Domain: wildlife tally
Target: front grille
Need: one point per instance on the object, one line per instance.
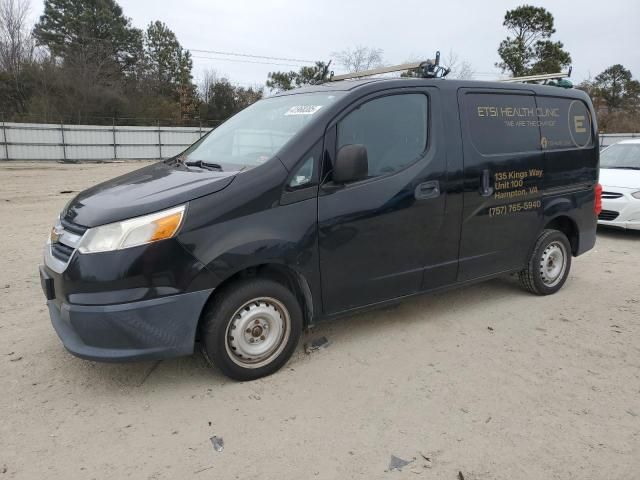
(611, 195)
(61, 251)
(608, 215)
(72, 227)
(67, 241)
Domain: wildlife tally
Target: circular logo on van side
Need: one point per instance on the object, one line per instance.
(579, 124)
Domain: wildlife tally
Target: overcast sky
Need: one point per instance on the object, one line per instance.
(596, 34)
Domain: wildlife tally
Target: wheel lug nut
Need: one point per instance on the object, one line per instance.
(262, 337)
(248, 330)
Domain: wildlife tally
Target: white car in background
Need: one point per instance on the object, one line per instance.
(620, 180)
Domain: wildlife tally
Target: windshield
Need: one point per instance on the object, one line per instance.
(621, 155)
(256, 134)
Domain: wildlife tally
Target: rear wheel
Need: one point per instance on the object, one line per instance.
(252, 328)
(549, 264)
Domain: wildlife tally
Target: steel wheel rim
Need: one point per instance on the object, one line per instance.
(553, 263)
(258, 332)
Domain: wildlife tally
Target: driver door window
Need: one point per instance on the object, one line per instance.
(392, 128)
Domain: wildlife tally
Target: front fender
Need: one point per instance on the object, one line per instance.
(284, 235)
(245, 226)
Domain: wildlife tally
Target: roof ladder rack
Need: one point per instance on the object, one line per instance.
(427, 69)
(534, 78)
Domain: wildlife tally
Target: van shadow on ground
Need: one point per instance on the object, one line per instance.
(194, 370)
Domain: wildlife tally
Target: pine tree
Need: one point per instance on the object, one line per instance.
(530, 51)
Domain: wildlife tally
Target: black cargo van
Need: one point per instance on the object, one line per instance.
(318, 202)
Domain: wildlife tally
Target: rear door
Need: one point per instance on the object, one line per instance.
(503, 180)
(571, 158)
(378, 236)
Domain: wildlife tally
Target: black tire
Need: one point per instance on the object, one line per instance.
(536, 276)
(221, 318)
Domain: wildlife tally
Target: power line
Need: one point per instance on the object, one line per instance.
(250, 55)
(215, 52)
(278, 62)
(237, 60)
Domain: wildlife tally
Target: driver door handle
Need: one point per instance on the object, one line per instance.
(426, 190)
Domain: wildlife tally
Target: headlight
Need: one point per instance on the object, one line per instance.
(636, 195)
(132, 232)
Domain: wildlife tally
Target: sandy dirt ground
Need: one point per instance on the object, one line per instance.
(488, 381)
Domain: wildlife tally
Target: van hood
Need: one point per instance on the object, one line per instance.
(147, 190)
(619, 177)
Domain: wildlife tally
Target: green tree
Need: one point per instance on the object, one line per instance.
(280, 81)
(226, 99)
(92, 33)
(95, 51)
(551, 58)
(168, 64)
(168, 68)
(616, 99)
(617, 88)
(530, 50)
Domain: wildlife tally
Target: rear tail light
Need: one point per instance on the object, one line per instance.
(597, 206)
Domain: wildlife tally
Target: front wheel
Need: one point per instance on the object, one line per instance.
(252, 328)
(549, 264)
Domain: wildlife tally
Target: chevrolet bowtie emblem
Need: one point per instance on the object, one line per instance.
(56, 232)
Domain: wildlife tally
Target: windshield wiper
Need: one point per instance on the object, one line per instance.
(625, 168)
(204, 165)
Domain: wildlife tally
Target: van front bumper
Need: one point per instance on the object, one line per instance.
(627, 225)
(146, 330)
(139, 303)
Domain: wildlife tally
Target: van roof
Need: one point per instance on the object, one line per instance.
(342, 85)
(445, 84)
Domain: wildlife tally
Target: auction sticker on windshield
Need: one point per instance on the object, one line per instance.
(303, 110)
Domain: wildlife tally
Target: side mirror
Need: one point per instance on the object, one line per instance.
(352, 164)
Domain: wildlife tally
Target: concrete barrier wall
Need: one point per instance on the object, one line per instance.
(37, 141)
